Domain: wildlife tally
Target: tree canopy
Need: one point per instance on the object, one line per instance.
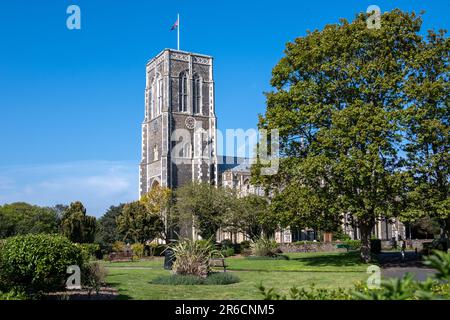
(339, 102)
(107, 232)
(202, 205)
(76, 225)
(22, 218)
(138, 224)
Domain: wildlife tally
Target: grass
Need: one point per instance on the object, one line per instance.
(304, 262)
(325, 270)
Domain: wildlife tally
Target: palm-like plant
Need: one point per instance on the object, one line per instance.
(264, 247)
(192, 257)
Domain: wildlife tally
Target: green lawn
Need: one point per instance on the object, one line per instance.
(327, 270)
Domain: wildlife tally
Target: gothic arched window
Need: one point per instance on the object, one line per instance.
(183, 92)
(155, 152)
(152, 100)
(159, 95)
(187, 150)
(197, 94)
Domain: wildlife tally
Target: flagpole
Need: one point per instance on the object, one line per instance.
(178, 33)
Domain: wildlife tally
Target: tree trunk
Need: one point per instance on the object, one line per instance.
(365, 230)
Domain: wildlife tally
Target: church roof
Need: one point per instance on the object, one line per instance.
(234, 164)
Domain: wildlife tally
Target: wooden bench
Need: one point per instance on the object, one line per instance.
(219, 263)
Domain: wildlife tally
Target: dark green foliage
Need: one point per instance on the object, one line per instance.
(237, 248)
(437, 244)
(228, 248)
(6, 225)
(226, 243)
(37, 263)
(375, 246)
(107, 232)
(353, 244)
(440, 261)
(90, 251)
(312, 293)
(222, 278)
(76, 225)
(245, 244)
(342, 99)
(228, 252)
(426, 126)
(425, 227)
(22, 218)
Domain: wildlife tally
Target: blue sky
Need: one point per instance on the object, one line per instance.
(72, 101)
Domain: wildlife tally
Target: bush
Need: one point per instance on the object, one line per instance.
(226, 243)
(436, 244)
(245, 244)
(213, 279)
(192, 257)
(264, 247)
(246, 249)
(34, 264)
(118, 246)
(228, 252)
(93, 276)
(90, 251)
(312, 293)
(375, 246)
(138, 250)
(12, 295)
(237, 248)
(353, 244)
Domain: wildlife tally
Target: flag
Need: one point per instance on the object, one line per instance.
(175, 25)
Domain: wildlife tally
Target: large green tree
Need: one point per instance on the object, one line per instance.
(249, 215)
(76, 225)
(158, 201)
(337, 101)
(203, 206)
(138, 224)
(107, 232)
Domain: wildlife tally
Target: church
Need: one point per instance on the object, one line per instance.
(179, 143)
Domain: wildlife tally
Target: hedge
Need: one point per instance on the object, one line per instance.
(34, 264)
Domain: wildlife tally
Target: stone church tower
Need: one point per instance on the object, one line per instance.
(179, 128)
